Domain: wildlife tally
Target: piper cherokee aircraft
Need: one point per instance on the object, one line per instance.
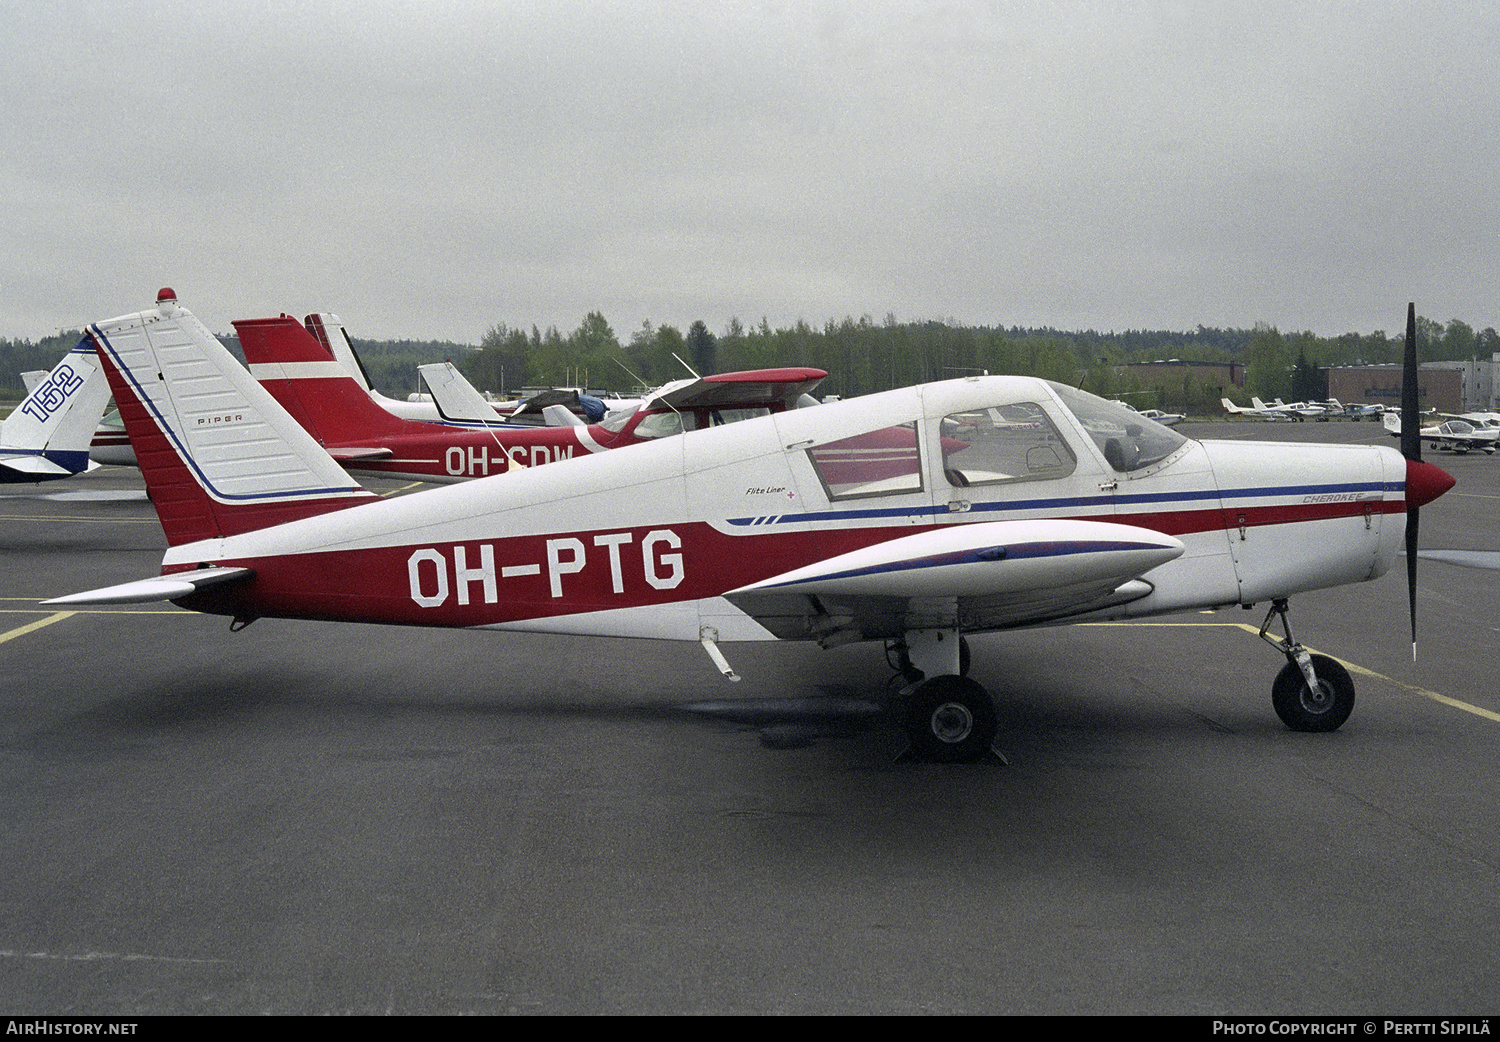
(47, 435)
(910, 517)
(301, 374)
(1456, 435)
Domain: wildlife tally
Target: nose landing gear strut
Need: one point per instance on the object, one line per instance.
(1312, 692)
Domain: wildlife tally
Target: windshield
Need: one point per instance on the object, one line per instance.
(615, 420)
(664, 424)
(1128, 440)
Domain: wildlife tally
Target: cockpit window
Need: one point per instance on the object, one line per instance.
(719, 417)
(881, 462)
(615, 420)
(664, 424)
(1128, 440)
(1001, 444)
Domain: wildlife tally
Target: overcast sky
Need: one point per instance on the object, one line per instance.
(429, 168)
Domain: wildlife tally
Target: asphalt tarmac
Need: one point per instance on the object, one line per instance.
(315, 818)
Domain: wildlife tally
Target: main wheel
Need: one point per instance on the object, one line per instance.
(1303, 709)
(950, 720)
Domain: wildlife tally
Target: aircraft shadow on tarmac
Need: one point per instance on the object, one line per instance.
(189, 704)
(1041, 724)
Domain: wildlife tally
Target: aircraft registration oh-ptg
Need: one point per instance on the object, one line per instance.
(911, 517)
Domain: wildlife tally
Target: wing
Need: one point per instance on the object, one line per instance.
(990, 575)
(744, 390)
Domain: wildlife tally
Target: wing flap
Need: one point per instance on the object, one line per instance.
(158, 588)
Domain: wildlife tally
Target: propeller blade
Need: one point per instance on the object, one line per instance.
(1411, 448)
(1412, 515)
(1411, 416)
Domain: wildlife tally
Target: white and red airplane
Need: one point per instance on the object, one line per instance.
(303, 375)
(1457, 434)
(911, 517)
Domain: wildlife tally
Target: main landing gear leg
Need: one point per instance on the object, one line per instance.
(948, 718)
(1312, 692)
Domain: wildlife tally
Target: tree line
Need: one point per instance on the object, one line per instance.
(862, 356)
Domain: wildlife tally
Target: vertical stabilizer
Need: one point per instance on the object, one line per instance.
(457, 400)
(48, 434)
(219, 455)
(328, 330)
(303, 375)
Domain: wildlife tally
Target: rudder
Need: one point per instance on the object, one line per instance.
(303, 375)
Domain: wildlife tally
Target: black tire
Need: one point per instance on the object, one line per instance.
(950, 720)
(1301, 709)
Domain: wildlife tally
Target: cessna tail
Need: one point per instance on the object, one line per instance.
(911, 517)
(48, 434)
(318, 387)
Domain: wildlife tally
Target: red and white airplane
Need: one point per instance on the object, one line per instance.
(306, 378)
(1456, 433)
(911, 517)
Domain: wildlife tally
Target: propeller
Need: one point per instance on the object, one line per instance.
(1424, 482)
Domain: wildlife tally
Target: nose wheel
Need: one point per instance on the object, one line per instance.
(1306, 708)
(1312, 692)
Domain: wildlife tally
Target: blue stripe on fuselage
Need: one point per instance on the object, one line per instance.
(1226, 496)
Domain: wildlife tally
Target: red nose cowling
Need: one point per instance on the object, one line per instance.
(1425, 482)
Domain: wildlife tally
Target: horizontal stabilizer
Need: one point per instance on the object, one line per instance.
(160, 588)
(38, 466)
